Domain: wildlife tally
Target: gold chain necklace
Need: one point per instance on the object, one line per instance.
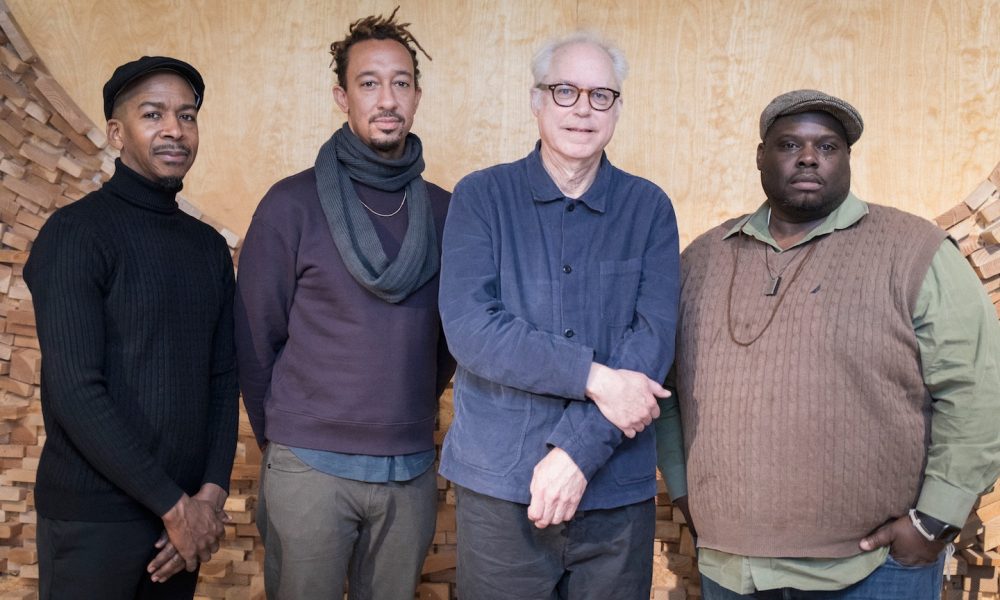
(393, 213)
(777, 305)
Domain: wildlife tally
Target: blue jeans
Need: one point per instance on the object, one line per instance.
(891, 581)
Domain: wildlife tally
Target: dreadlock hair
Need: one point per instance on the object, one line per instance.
(374, 28)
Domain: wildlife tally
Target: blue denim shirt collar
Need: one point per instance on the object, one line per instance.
(543, 189)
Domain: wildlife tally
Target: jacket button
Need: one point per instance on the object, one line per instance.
(491, 311)
(567, 269)
(569, 333)
(571, 207)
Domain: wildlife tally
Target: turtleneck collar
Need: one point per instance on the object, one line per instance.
(139, 191)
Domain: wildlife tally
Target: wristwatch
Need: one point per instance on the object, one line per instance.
(933, 530)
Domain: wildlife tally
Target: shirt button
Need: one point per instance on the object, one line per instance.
(567, 269)
(491, 311)
(569, 333)
(571, 207)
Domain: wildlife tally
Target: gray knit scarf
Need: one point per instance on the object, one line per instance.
(345, 157)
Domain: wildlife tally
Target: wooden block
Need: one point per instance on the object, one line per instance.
(98, 137)
(216, 568)
(31, 220)
(64, 105)
(36, 111)
(667, 530)
(45, 133)
(434, 591)
(16, 37)
(990, 236)
(35, 189)
(12, 61)
(34, 153)
(988, 512)
(13, 493)
(990, 536)
(985, 192)
(11, 133)
(19, 594)
(25, 555)
(985, 256)
(26, 365)
(988, 270)
(24, 231)
(70, 166)
(12, 168)
(80, 141)
(13, 257)
(439, 561)
(961, 229)
(445, 518)
(953, 216)
(10, 89)
(10, 530)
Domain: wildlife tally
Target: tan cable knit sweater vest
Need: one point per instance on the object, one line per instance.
(816, 434)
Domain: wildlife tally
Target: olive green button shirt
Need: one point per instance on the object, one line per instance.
(959, 339)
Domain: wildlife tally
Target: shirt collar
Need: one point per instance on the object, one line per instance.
(543, 189)
(850, 211)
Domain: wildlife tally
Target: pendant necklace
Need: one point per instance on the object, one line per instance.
(771, 289)
(781, 297)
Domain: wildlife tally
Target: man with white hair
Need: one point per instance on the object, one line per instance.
(559, 290)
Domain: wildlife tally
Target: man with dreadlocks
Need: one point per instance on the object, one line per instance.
(340, 349)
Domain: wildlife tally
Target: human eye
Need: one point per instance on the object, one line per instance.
(190, 117)
(565, 91)
(401, 84)
(601, 95)
(151, 115)
(368, 84)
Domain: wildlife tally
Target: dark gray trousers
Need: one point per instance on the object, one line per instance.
(84, 559)
(598, 555)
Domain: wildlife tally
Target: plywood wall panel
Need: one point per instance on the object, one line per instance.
(924, 73)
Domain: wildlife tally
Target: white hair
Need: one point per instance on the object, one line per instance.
(542, 60)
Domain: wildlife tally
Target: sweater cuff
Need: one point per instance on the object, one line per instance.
(165, 500)
(945, 502)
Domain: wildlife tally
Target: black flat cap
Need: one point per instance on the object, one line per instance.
(802, 101)
(130, 72)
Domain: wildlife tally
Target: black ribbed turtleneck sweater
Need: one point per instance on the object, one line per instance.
(133, 303)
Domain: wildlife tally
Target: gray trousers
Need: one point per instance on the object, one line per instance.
(598, 555)
(320, 531)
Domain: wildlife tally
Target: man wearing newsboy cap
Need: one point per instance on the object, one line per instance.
(836, 378)
(133, 300)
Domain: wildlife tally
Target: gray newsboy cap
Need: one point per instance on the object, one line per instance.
(801, 101)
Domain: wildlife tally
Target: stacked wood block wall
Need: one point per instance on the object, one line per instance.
(51, 154)
(975, 224)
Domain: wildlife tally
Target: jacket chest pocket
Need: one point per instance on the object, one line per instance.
(619, 288)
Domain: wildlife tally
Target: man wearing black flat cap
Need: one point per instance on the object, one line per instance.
(133, 301)
(836, 376)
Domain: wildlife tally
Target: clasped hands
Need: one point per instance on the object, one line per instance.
(628, 400)
(193, 529)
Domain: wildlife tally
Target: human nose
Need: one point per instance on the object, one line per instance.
(170, 127)
(387, 97)
(807, 157)
(582, 105)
